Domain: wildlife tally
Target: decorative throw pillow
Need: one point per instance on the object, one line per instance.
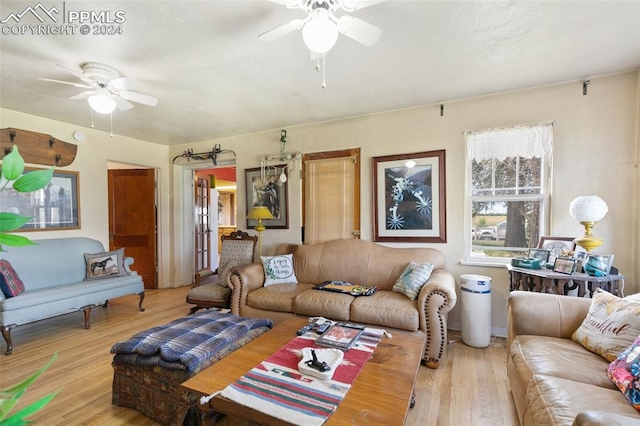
(9, 281)
(412, 279)
(105, 265)
(610, 326)
(625, 373)
(633, 297)
(278, 269)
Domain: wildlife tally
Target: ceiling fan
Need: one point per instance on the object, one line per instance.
(321, 26)
(108, 89)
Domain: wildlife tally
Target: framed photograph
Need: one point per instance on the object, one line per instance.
(541, 255)
(409, 197)
(564, 265)
(557, 246)
(54, 207)
(270, 191)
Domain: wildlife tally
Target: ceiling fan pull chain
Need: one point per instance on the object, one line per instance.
(92, 125)
(324, 81)
(111, 118)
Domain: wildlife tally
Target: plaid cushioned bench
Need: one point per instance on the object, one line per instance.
(150, 366)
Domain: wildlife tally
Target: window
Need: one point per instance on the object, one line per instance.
(507, 191)
(331, 195)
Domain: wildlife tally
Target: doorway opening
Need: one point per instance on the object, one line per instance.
(215, 210)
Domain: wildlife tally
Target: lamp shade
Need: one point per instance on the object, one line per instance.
(320, 33)
(102, 103)
(589, 208)
(260, 212)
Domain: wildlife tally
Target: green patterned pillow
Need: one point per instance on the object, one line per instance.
(413, 278)
(278, 269)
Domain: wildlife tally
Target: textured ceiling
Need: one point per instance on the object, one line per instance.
(214, 78)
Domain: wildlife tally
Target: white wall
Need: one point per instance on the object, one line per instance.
(595, 152)
(91, 163)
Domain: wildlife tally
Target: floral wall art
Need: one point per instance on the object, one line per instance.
(410, 197)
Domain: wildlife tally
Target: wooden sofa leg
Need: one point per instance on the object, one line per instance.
(106, 304)
(431, 364)
(6, 333)
(141, 299)
(87, 314)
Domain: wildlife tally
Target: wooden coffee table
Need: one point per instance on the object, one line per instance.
(383, 389)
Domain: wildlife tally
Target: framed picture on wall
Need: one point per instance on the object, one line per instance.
(268, 190)
(54, 207)
(409, 197)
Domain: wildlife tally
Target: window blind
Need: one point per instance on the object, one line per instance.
(329, 186)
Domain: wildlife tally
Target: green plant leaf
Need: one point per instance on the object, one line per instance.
(33, 181)
(5, 406)
(18, 389)
(12, 164)
(14, 240)
(18, 418)
(11, 221)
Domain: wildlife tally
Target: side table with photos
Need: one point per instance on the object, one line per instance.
(548, 281)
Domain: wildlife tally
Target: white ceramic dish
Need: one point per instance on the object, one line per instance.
(333, 357)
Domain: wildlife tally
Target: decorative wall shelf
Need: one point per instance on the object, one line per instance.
(37, 148)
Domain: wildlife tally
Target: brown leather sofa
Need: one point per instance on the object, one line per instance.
(554, 380)
(359, 262)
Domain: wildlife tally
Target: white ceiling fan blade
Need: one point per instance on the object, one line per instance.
(140, 98)
(123, 83)
(83, 95)
(77, 73)
(281, 30)
(359, 30)
(122, 104)
(84, 86)
(351, 5)
(291, 4)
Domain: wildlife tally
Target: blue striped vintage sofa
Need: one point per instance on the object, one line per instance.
(53, 272)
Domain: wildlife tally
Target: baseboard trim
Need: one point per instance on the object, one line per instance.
(495, 331)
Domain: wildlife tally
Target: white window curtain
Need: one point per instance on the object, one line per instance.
(525, 141)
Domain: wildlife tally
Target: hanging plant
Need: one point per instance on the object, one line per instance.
(12, 172)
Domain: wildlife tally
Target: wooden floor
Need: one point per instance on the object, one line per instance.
(469, 388)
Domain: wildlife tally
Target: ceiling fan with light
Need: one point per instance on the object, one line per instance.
(107, 89)
(321, 27)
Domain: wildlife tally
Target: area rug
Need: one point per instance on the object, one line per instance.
(277, 388)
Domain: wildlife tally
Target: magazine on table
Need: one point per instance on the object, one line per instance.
(341, 336)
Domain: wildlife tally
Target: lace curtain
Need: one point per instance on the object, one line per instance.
(524, 141)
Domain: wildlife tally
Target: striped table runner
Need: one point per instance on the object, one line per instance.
(277, 388)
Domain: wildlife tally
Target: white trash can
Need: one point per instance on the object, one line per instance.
(475, 298)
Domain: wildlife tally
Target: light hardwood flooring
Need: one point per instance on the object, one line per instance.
(469, 388)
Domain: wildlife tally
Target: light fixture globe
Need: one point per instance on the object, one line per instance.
(588, 210)
(320, 33)
(102, 103)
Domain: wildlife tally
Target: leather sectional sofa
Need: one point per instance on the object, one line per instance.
(555, 380)
(358, 262)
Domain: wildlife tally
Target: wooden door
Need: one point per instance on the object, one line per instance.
(132, 219)
(202, 224)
